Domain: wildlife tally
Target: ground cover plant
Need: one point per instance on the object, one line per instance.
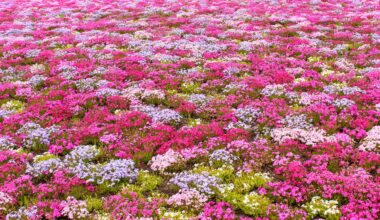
(193, 109)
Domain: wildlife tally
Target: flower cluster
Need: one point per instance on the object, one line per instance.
(217, 210)
(188, 198)
(297, 121)
(74, 209)
(45, 167)
(35, 135)
(6, 143)
(221, 157)
(372, 141)
(117, 170)
(81, 153)
(160, 115)
(324, 208)
(203, 182)
(309, 137)
(164, 161)
(129, 206)
(5, 200)
(23, 213)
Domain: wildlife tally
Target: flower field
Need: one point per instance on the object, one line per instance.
(190, 109)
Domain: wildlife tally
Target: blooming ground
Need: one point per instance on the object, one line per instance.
(190, 109)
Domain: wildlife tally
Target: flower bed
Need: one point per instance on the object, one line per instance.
(191, 109)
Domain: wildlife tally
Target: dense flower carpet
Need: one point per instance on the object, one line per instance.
(190, 109)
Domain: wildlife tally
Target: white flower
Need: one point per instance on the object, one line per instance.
(5, 200)
(74, 209)
(162, 162)
(372, 141)
(307, 136)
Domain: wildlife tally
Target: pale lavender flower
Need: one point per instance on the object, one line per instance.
(340, 48)
(368, 70)
(221, 156)
(117, 170)
(98, 71)
(32, 53)
(107, 92)
(23, 213)
(69, 74)
(203, 182)
(167, 116)
(231, 71)
(87, 171)
(6, 143)
(352, 90)
(343, 103)
(166, 58)
(245, 46)
(36, 135)
(4, 113)
(238, 124)
(86, 85)
(66, 67)
(198, 99)
(160, 115)
(37, 80)
(246, 118)
(331, 89)
(247, 115)
(44, 167)
(297, 121)
(234, 87)
(82, 153)
(273, 90)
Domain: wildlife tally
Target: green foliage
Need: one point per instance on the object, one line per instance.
(94, 204)
(194, 122)
(14, 105)
(319, 207)
(175, 214)
(79, 192)
(313, 59)
(26, 200)
(132, 188)
(190, 88)
(342, 200)
(250, 204)
(105, 188)
(333, 166)
(148, 182)
(225, 173)
(44, 157)
(38, 147)
(177, 167)
(246, 182)
(142, 157)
